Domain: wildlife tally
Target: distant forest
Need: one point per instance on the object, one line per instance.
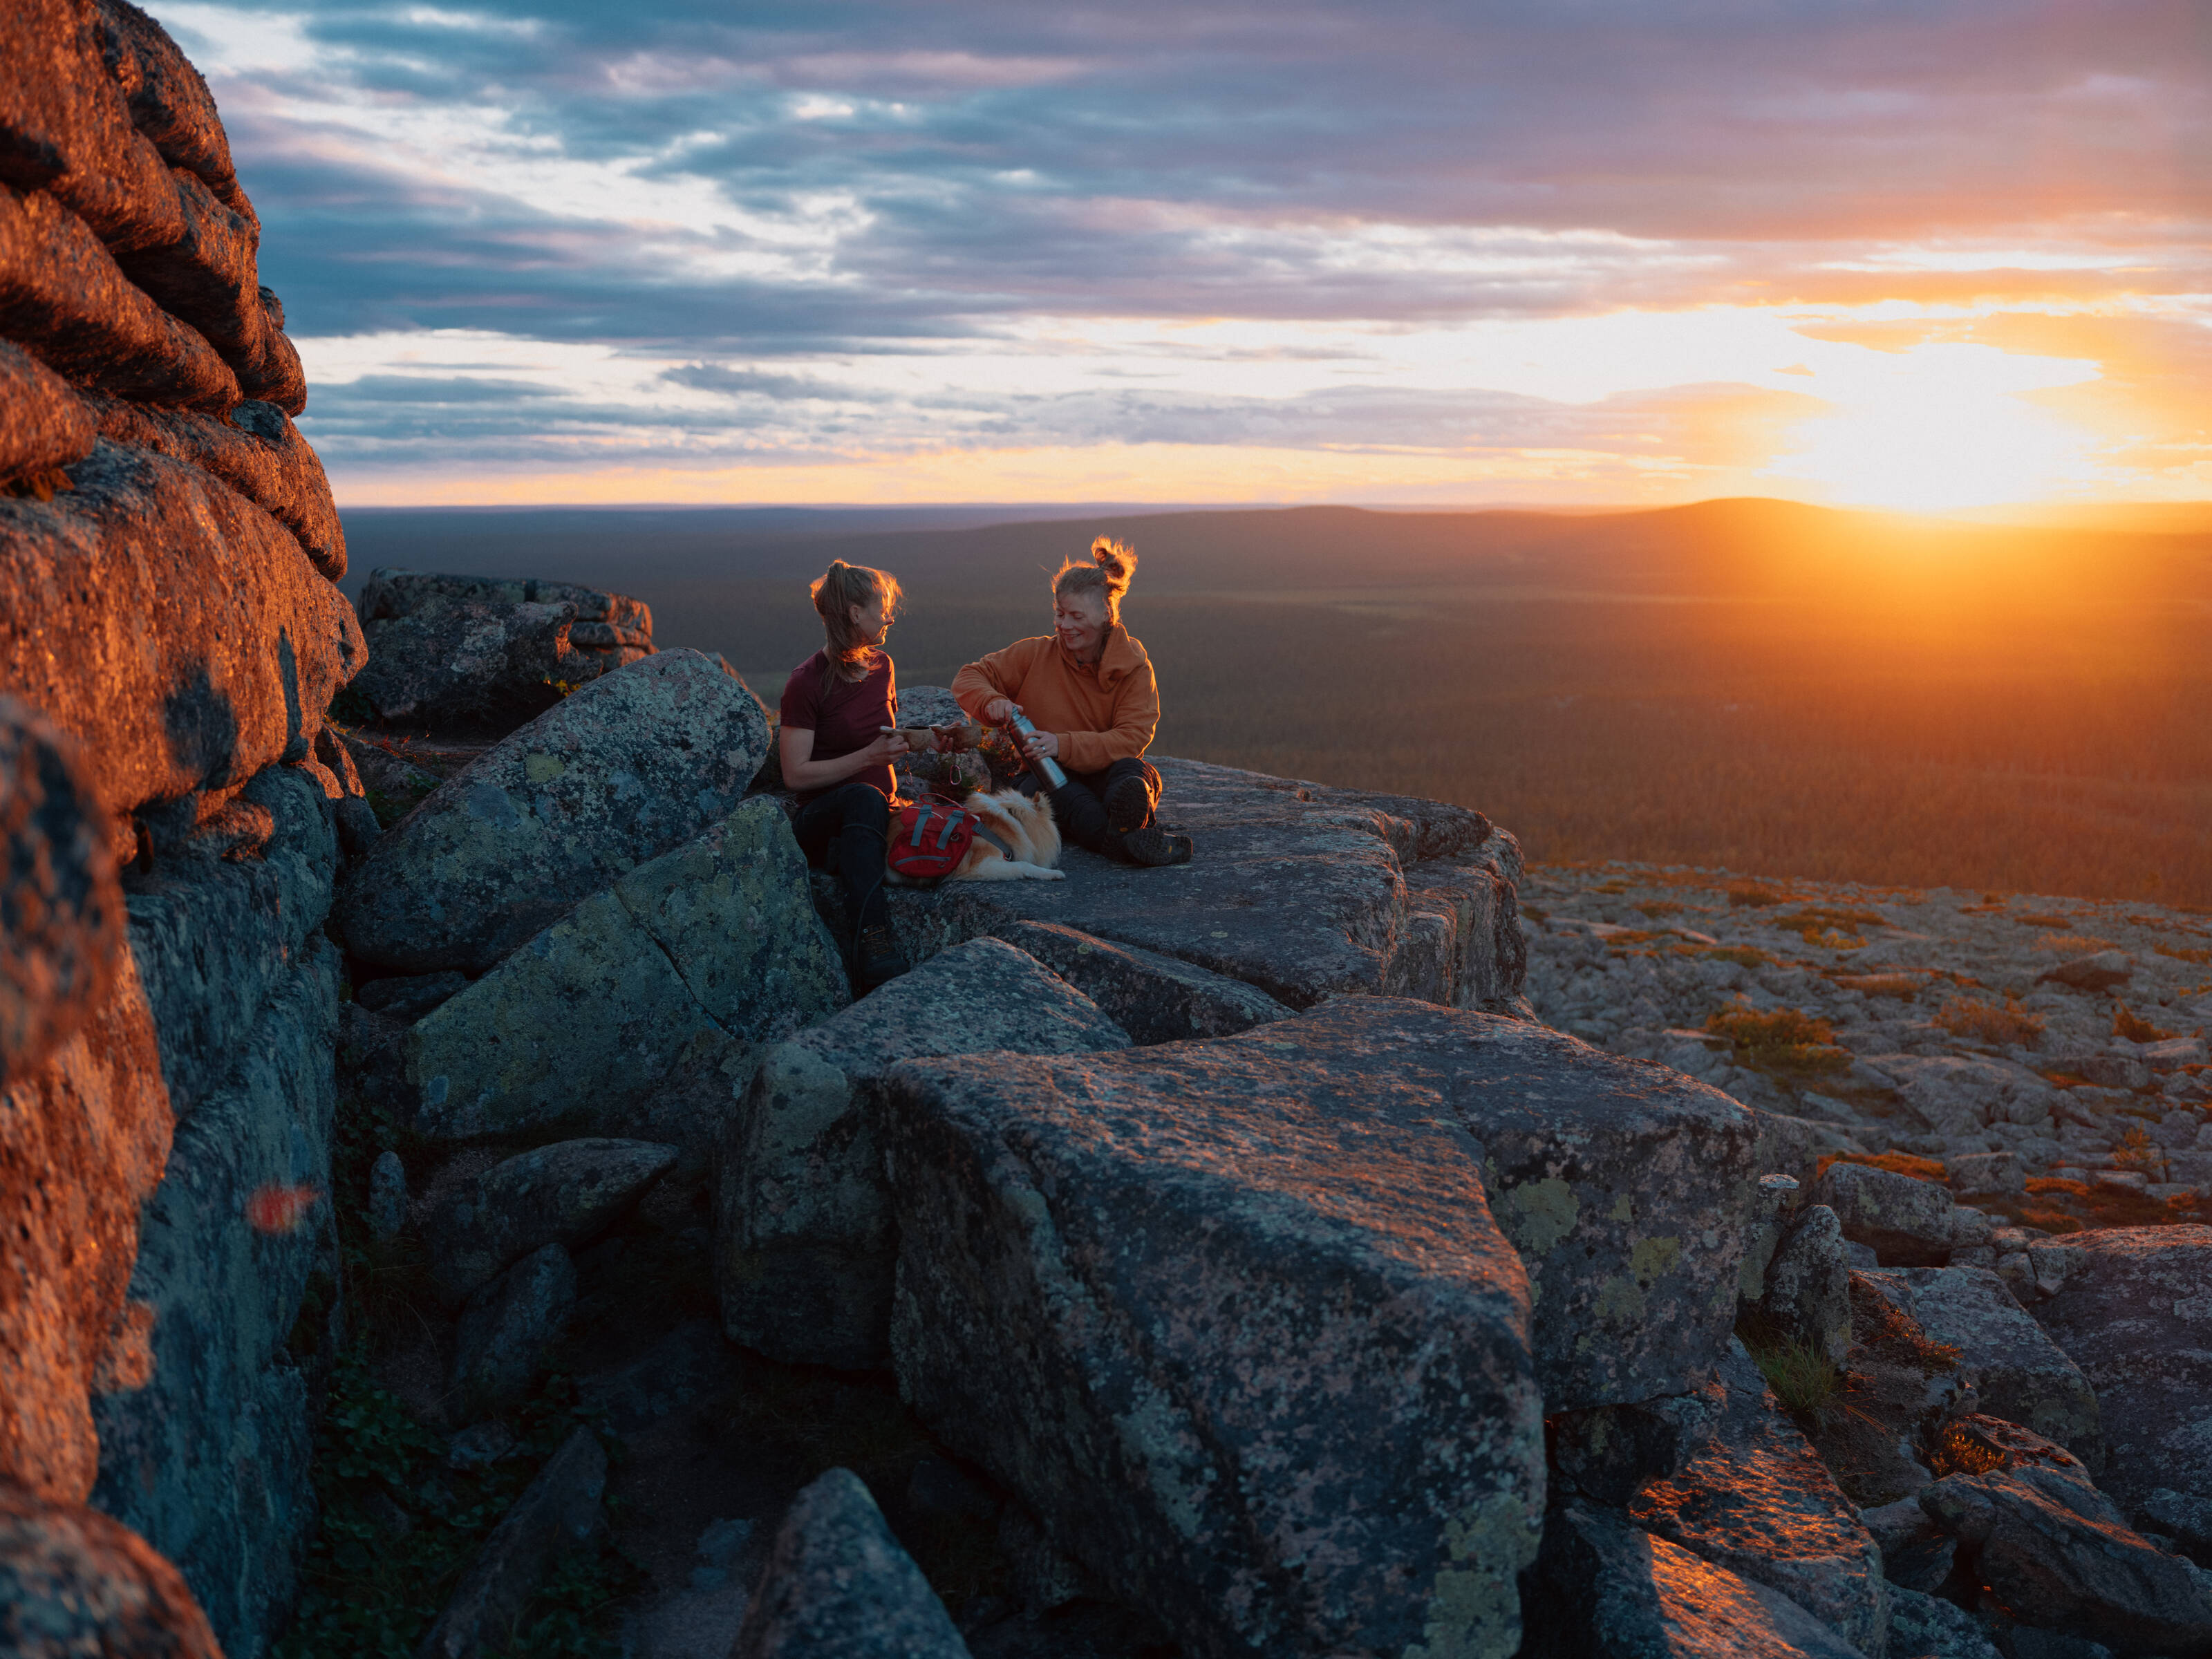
(1753, 685)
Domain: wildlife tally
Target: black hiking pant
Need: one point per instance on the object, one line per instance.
(852, 822)
(1079, 806)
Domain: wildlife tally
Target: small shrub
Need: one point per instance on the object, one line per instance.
(1800, 1376)
(1903, 987)
(2060, 922)
(2137, 1152)
(2073, 944)
(2184, 953)
(1786, 1042)
(2135, 1028)
(2011, 1025)
(1752, 893)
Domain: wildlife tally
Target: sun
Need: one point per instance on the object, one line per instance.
(1938, 426)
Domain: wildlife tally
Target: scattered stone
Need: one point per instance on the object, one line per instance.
(1998, 1174)
(1953, 1095)
(640, 1011)
(463, 666)
(1616, 1592)
(2020, 1373)
(556, 1513)
(1341, 1442)
(387, 1196)
(567, 1193)
(1925, 1626)
(804, 1247)
(1915, 1554)
(506, 1329)
(1758, 1500)
(2101, 971)
(1808, 1285)
(408, 997)
(74, 1581)
(1607, 1452)
(1155, 999)
(837, 1583)
(2134, 1311)
(635, 764)
(1905, 1221)
(2057, 1556)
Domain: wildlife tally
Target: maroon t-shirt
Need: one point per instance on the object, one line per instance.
(844, 715)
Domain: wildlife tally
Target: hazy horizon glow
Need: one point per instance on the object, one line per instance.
(1893, 254)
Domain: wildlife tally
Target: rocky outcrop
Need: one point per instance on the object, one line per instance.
(2134, 1312)
(73, 1581)
(1303, 892)
(640, 1011)
(565, 1194)
(1238, 1329)
(628, 767)
(459, 653)
(556, 1512)
(1155, 999)
(804, 1245)
(836, 1582)
(168, 547)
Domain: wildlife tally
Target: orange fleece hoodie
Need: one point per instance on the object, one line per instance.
(1100, 713)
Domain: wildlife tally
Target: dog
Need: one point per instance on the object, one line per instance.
(1023, 825)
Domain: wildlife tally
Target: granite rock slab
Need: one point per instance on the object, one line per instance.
(76, 1582)
(565, 1194)
(1155, 999)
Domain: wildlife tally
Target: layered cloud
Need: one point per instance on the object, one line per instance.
(704, 250)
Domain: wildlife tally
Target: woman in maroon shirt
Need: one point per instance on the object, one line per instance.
(836, 753)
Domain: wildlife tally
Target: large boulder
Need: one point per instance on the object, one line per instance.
(61, 911)
(509, 1329)
(1758, 1500)
(555, 1514)
(2134, 1311)
(565, 1193)
(635, 764)
(2020, 1373)
(1905, 1221)
(1301, 891)
(1234, 1321)
(2057, 1556)
(1808, 1284)
(836, 1583)
(804, 1247)
(175, 629)
(639, 1011)
(1962, 1094)
(74, 1582)
(1610, 1590)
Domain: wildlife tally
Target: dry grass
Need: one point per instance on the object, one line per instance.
(2010, 1024)
(2185, 953)
(2135, 1028)
(1751, 894)
(2060, 922)
(1903, 987)
(2073, 944)
(1909, 1164)
(1656, 908)
(1784, 1042)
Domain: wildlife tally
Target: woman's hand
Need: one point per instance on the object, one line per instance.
(1000, 710)
(888, 747)
(1042, 745)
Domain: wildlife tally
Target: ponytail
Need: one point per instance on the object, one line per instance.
(1111, 567)
(835, 593)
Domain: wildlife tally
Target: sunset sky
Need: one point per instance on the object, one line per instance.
(1923, 253)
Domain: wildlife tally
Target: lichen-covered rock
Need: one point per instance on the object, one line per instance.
(2021, 1374)
(555, 1514)
(1905, 1221)
(1963, 1094)
(2134, 1311)
(1758, 1500)
(204, 1444)
(1607, 1452)
(1235, 1324)
(565, 1194)
(635, 764)
(804, 1246)
(836, 1583)
(1155, 999)
(169, 102)
(392, 593)
(75, 1583)
(217, 926)
(639, 1011)
(172, 627)
(82, 1144)
(1916, 1555)
(2057, 1556)
(1923, 1626)
(61, 911)
(1808, 1294)
(471, 666)
(1613, 1591)
(1297, 889)
(508, 1327)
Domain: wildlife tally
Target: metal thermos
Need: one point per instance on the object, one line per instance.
(1044, 763)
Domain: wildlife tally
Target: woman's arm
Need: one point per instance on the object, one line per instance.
(795, 749)
(982, 685)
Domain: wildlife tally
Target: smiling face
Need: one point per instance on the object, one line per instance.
(1079, 619)
(869, 622)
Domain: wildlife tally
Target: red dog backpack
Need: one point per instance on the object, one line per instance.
(929, 839)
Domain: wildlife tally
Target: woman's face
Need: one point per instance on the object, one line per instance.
(1079, 619)
(869, 620)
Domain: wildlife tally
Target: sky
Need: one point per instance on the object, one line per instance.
(1928, 254)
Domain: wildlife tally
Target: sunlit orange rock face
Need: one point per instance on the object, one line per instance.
(168, 631)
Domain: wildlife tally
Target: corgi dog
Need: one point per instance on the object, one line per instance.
(1023, 825)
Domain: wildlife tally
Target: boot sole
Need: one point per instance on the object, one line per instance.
(1154, 846)
(1128, 806)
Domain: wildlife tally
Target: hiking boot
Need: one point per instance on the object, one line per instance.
(1153, 846)
(1128, 804)
(877, 959)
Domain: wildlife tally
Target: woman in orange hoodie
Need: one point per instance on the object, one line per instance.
(1088, 688)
